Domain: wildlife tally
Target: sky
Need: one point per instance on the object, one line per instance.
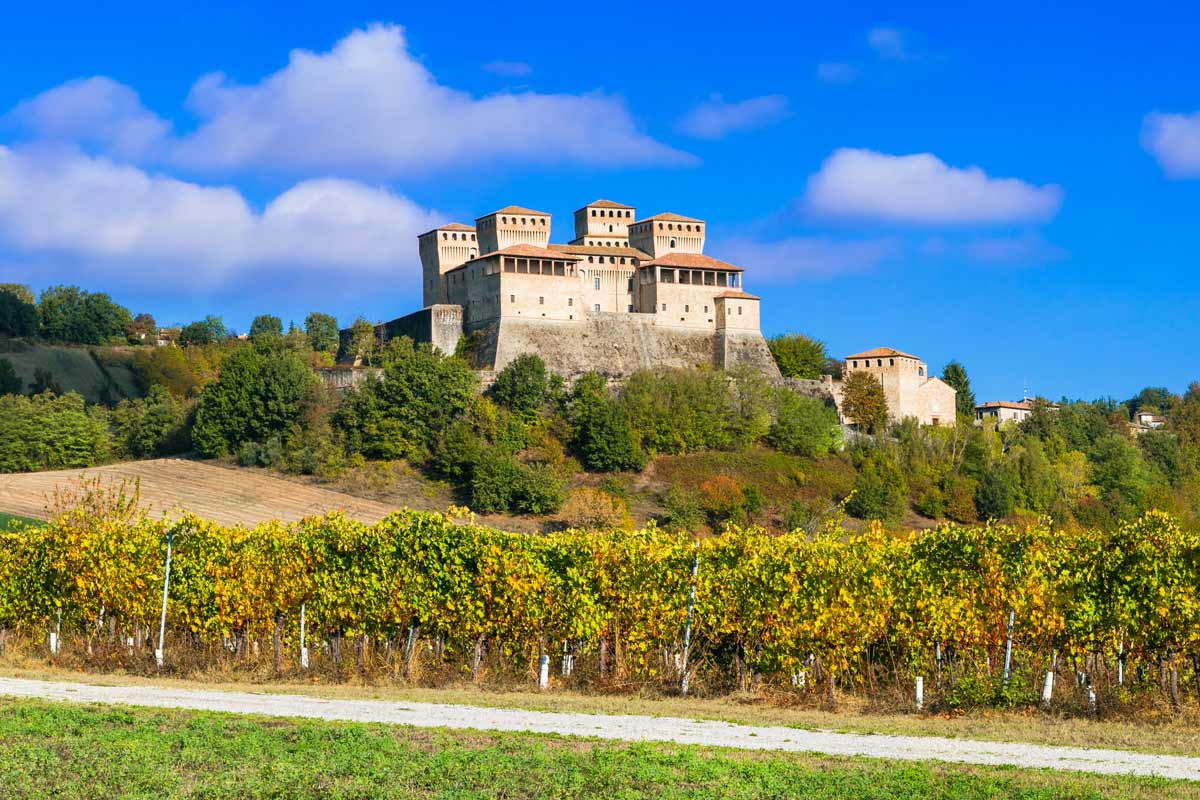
(1014, 186)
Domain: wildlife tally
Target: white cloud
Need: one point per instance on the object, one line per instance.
(836, 72)
(922, 189)
(1174, 141)
(806, 256)
(94, 111)
(714, 118)
(508, 69)
(368, 106)
(889, 43)
(123, 223)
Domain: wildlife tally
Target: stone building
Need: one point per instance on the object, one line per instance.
(910, 390)
(998, 412)
(624, 294)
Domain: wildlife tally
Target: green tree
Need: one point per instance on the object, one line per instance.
(603, 438)
(150, 426)
(51, 432)
(322, 332)
(257, 395)
(803, 426)
(142, 329)
(798, 356)
(209, 330)
(10, 382)
(363, 343)
(863, 401)
(18, 314)
(954, 375)
(994, 495)
(880, 491)
(69, 314)
(522, 386)
(265, 326)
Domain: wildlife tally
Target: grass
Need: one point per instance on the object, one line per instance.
(1152, 729)
(70, 751)
(105, 376)
(7, 518)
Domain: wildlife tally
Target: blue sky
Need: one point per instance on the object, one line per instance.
(1013, 187)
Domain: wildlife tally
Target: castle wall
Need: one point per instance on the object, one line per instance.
(440, 325)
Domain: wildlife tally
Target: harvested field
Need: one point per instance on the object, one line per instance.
(174, 486)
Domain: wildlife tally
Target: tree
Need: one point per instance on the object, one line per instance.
(265, 326)
(994, 496)
(798, 356)
(522, 385)
(604, 439)
(18, 314)
(363, 345)
(142, 329)
(803, 426)
(10, 382)
(206, 331)
(69, 314)
(879, 488)
(322, 332)
(44, 382)
(256, 395)
(863, 401)
(954, 375)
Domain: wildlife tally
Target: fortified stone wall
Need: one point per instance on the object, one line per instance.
(441, 325)
(617, 345)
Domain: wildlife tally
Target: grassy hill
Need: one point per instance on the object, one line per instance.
(100, 374)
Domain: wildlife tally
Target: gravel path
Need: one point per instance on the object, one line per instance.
(627, 728)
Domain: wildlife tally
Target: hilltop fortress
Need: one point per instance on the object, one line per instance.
(624, 294)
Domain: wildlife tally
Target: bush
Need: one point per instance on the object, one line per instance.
(879, 489)
(51, 432)
(994, 496)
(594, 508)
(522, 386)
(803, 426)
(499, 483)
(722, 498)
(798, 356)
(682, 510)
(959, 494)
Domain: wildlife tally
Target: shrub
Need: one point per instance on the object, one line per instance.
(959, 494)
(798, 356)
(593, 508)
(682, 510)
(522, 385)
(994, 496)
(803, 426)
(879, 489)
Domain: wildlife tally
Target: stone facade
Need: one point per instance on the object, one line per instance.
(910, 390)
(624, 294)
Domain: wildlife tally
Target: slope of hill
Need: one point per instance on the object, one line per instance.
(101, 374)
(172, 486)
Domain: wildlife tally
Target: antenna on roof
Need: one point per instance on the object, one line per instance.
(1025, 390)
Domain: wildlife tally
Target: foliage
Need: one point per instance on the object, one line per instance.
(594, 508)
(604, 439)
(142, 329)
(209, 330)
(18, 313)
(522, 386)
(362, 346)
(954, 375)
(50, 432)
(321, 331)
(798, 356)
(879, 488)
(265, 326)
(803, 426)
(10, 382)
(258, 394)
(70, 315)
(864, 402)
(149, 427)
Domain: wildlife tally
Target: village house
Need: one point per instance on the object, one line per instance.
(910, 390)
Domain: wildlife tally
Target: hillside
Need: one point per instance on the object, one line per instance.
(228, 496)
(100, 374)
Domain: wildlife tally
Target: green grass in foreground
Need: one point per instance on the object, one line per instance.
(70, 751)
(7, 518)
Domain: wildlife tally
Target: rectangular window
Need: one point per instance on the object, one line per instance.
(664, 306)
(739, 311)
(512, 298)
(560, 269)
(596, 282)
(631, 308)
(596, 307)
(706, 309)
(631, 284)
(541, 301)
(522, 265)
(570, 301)
(687, 309)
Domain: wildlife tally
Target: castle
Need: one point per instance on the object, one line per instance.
(624, 294)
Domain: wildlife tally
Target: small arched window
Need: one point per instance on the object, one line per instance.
(672, 243)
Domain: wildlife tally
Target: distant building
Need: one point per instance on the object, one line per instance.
(1146, 421)
(910, 390)
(1002, 411)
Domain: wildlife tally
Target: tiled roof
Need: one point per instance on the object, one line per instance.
(592, 249)
(1020, 405)
(605, 204)
(669, 217)
(451, 226)
(516, 210)
(734, 294)
(877, 352)
(691, 261)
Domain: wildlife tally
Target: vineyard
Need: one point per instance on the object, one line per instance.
(430, 597)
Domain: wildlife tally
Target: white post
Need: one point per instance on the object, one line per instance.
(1091, 701)
(543, 672)
(303, 649)
(687, 631)
(920, 692)
(162, 620)
(1048, 688)
(1121, 662)
(1008, 647)
(129, 645)
(56, 634)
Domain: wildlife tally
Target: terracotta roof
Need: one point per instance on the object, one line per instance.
(605, 204)
(1020, 405)
(877, 352)
(734, 294)
(590, 249)
(691, 261)
(667, 215)
(451, 226)
(516, 210)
